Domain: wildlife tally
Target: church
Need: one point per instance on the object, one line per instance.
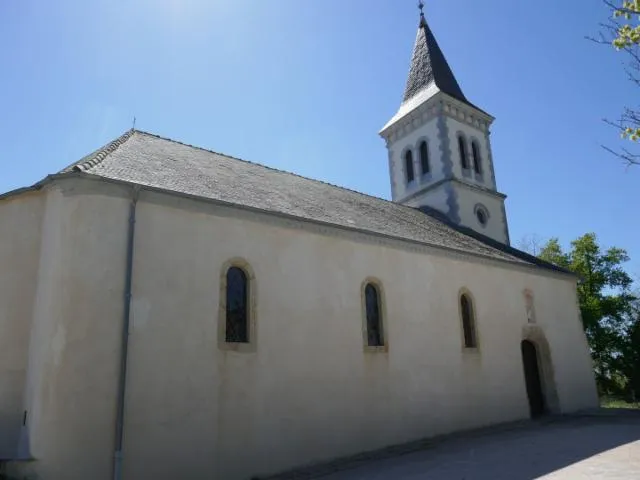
(169, 312)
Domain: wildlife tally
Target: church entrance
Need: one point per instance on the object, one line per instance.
(532, 378)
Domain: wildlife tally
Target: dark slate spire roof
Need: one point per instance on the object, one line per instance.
(428, 67)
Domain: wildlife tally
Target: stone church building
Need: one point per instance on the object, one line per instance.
(171, 312)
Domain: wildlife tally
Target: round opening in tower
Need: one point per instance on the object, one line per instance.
(482, 217)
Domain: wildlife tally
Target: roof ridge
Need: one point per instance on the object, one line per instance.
(270, 168)
(101, 154)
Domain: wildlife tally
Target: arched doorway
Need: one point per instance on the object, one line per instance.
(532, 378)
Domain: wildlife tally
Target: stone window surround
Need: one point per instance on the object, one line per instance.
(404, 166)
(470, 171)
(424, 177)
(474, 321)
(418, 177)
(478, 175)
(251, 346)
(485, 210)
(383, 316)
(463, 142)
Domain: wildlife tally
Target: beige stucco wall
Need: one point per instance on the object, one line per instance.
(75, 336)
(309, 392)
(20, 228)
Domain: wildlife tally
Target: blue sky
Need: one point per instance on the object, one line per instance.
(306, 85)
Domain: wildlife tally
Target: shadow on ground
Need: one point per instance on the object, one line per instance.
(603, 446)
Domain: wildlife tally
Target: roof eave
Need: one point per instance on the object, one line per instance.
(533, 267)
(425, 99)
(468, 105)
(419, 102)
(33, 188)
(532, 261)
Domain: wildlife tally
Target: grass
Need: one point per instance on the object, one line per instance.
(618, 403)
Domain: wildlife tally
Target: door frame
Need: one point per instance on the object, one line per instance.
(535, 335)
(533, 379)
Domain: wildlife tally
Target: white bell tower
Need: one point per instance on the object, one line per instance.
(439, 146)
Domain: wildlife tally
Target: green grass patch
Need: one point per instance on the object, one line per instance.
(618, 403)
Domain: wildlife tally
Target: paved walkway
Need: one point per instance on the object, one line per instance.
(590, 448)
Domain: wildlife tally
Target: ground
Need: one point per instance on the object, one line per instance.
(599, 446)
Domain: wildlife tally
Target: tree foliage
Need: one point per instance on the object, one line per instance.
(609, 309)
(631, 352)
(622, 31)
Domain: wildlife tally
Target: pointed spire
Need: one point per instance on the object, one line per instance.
(428, 65)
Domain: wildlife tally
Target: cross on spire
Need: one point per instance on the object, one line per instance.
(421, 7)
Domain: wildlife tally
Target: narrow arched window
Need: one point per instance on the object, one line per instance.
(237, 320)
(424, 157)
(375, 337)
(408, 165)
(462, 148)
(477, 161)
(468, 321)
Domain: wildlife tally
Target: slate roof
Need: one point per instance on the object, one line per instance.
(146, 159)
(430, 68)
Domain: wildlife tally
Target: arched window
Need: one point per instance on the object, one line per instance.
(237, 306)
(408, 165)
(424, 157)
(468, 321)
(375, 336)
(477, 161)
(462, 148)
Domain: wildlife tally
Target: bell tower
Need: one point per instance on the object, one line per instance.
(439, 146)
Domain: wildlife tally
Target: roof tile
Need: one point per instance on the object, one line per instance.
(147, 159)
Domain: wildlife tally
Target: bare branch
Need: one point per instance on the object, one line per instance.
(628, 158)
(619, 8)
(629, 122)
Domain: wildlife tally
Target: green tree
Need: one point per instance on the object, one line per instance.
(607, 306)
(631, 352)
(552, 252)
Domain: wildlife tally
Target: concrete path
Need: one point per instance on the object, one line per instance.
(590, 448)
